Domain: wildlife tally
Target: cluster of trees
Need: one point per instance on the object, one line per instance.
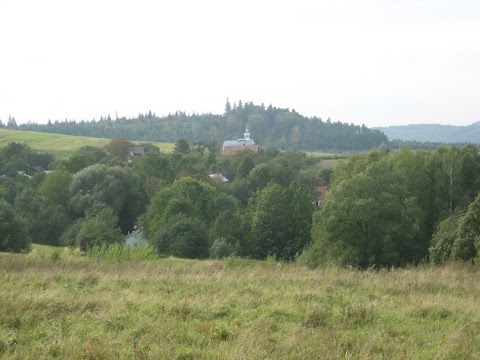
(17, 157)
(11, 123)
(383, 209)
(193, 219)
(85, 192)
(387, 210)
(97, 196)
(270, 126)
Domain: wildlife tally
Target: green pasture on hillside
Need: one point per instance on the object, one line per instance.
(329, 159)
(61, 145)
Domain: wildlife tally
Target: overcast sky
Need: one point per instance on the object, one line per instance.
(377, 62)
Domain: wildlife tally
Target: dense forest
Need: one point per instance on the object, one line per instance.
(270, 126)
(383, 208)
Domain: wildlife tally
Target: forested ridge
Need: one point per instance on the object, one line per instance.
(446, 134)
(269, 126)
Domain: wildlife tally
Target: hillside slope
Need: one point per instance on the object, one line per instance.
(57, 144)
(434, 133)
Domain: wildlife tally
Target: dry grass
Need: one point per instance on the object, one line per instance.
(74, 307)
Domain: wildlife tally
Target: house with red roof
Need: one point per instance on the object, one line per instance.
(320, 195)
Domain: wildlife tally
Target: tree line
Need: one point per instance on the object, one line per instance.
(98, 195)
(270, 126)
(402, 208)
(383, 208)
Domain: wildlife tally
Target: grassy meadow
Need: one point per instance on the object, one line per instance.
(61, 145)
(56, 303)
(329, 159)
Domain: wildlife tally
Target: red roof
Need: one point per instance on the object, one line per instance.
(321, 192)
(232, 150)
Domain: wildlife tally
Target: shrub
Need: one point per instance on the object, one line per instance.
(222, 249)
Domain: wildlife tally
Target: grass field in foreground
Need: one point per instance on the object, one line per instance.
(61, 145)
(76, 308)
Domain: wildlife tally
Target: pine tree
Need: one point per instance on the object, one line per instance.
(228, 107)
(12, 123)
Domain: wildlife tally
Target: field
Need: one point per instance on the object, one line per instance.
(329, 159)
(59, 304)
(60, 145)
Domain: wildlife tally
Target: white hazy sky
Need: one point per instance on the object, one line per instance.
(377, 62)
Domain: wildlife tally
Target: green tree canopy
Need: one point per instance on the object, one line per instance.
(48, 225)
(100, 226)
(467, 244)
(182, 146)
(245, 166)
(116, 187)
(183, 236)
(154, 169)
(188, 196)
(84, 157)
(119, 148)
(13, 229)
(370, 220)
(19, 157)
(441, 248)
(280, 221)
(55, 188)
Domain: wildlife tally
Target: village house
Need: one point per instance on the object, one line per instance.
(218, 177)
(136, 238)
(320, 195)
(36, 170)
(136, 151)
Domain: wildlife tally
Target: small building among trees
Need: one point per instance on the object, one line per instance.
(320, 195)
(136, 238)
(218, 177)
(36, 170)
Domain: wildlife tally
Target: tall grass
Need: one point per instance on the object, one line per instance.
(78, 308)
(121, 252)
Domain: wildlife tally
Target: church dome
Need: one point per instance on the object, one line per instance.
(246, 134)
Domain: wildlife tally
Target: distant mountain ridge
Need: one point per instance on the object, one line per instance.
(450, 134)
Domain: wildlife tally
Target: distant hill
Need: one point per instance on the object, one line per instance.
(269, 126)
(434, 133)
